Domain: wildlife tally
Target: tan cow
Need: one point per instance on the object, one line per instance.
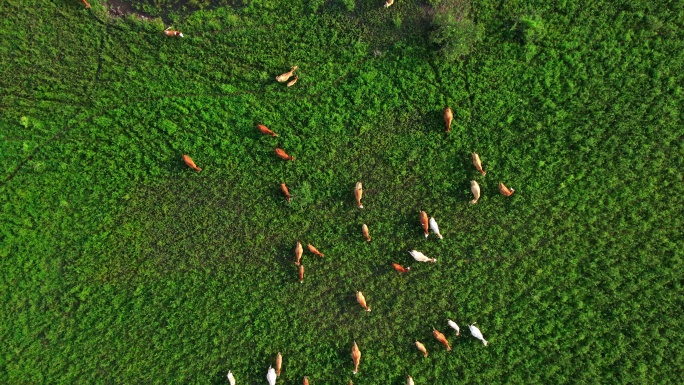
(475, 189)
(362, 300)
(284, 77)
(505, 190)
(448, 117)
(356, 357)
(421, 347)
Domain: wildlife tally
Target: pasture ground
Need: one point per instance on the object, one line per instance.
(120, 265)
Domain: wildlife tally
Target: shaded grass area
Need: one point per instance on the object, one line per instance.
(120, 264)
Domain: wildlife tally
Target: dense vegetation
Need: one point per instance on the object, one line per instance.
(121, 265)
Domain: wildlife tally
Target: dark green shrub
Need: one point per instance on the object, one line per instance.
(530, 28)
(454, 31)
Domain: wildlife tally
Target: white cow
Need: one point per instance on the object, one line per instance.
(454, 326)
(420, 257)
(434, 227)
(271, 376)
(477, 333)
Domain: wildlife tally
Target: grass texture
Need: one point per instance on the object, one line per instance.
(121, 265)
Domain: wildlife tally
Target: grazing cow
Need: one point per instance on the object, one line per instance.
(409, 380)
(400, 268)
(448, 117)
(478, 164)
(266, 131)
(475, 189)
(362, 300)
(505, 190)
(279, 364)
(440, 337)
(87, 4)
(284, 77)
(424, 222)
(271, 376)
(285, 191)
(314, 250)
(420, 257)
(283, 155)
(477, 333)
(188, 161)
(434, 227)
(364, 229)
(301, 273)
(171, 32)
(388, 3)
(454, 326)
(358, 193)
(298, 253)
(231, 379)
(421, 347)
(293, 81)
(306, 381)
(356, 357)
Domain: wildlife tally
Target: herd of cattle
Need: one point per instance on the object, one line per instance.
(273, 373)
(427, 225)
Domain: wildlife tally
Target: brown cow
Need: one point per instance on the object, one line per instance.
(283, 155)
(188, 161)
(285, 191)
(265, 130)
(171, 32)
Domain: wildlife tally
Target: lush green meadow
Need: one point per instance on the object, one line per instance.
(118, 264)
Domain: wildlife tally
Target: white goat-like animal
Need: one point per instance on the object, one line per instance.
(477, 333)
(409, 380)
(231, 379)
(454, 326)
(271, 376)
(434, 227)
(420, 257)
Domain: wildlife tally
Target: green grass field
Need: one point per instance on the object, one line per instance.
(121, 265)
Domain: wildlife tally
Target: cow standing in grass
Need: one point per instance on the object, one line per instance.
(284, 77)
(172, 33)
(279, 364)
(422, 349)
(477, 333)
(298, 253)
(478, 164)
(424, 222)
(356, 357)
(448, 118)
(358, 193)
(505, 191)
(190, 163)
(475, 189)
(362, 300)
(366, 233)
